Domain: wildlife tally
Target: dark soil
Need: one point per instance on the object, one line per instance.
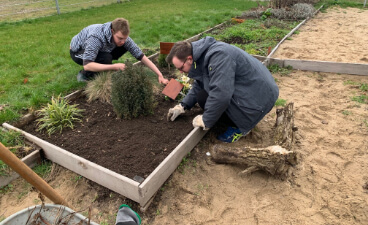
(128, 147)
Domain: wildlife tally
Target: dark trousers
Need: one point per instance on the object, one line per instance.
(102, 57)
(224, 119)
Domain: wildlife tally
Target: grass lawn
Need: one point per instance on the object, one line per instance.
(34, 54)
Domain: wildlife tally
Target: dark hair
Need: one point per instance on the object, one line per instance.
(181, 49)
(120, 24)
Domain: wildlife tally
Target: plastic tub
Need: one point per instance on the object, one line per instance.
(46, 214)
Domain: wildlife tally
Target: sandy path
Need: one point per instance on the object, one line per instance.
(340, 35)
(327, 186)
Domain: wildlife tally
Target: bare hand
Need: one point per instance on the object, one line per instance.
(162, 80)
(119, 66)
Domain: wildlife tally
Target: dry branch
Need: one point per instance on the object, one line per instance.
(273, 159)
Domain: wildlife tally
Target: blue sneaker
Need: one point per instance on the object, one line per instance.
(231, 135)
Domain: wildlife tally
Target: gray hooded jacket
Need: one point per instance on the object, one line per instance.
(236, 83)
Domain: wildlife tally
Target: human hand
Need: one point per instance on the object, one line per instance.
(198, 122)
(175, 112)
(162, 80)
(119, 66)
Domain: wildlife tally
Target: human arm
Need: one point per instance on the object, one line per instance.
(98, 67)
(221, 72)
(153, 67)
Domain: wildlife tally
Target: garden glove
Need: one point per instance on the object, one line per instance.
(198, 122)
(175, 112)
(126, 216)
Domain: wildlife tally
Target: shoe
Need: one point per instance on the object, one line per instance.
(232, 134)
(81, 77)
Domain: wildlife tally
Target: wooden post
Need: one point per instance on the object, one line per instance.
(31, 177)
(57, 7)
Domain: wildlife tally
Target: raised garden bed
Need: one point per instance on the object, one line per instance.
(128, 147)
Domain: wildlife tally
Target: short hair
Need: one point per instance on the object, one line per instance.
(120, 24)
(181, 49)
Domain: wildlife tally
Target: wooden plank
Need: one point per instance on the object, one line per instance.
(198, 36)
(330, 67)
(157, 178)
(322, 66)
(151, 57)
(30, 160)
(279, 62)
(107, 178)
(165, 47)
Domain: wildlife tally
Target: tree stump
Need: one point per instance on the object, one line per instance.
(276, 159)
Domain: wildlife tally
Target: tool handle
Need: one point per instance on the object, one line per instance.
(31, 177)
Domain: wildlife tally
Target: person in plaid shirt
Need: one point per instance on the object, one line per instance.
(97, 45)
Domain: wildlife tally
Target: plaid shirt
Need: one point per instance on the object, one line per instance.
(98, 38)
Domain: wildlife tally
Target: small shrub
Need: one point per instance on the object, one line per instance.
(161, 61)
(132, 92)
(99, 88)
(58, 115)
(298, 11)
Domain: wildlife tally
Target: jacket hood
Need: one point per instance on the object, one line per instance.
(199, 49)
(201, 46)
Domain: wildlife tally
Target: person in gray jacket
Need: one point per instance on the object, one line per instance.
(227, 82)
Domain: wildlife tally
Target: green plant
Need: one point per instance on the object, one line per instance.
(254, 36)
(364, 87)
(11, 138)
(99, 88)
(58, 115)
(360, 98)
(43, 169)
(267, 13)
(161, 61)
(280, 102)
(346, 112)
(283, 71)
(132, 92)
(184, 163)
(5, 189)
(77, 178)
